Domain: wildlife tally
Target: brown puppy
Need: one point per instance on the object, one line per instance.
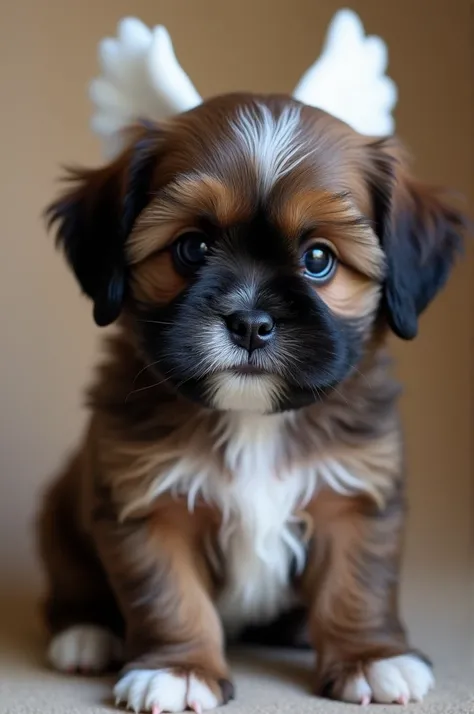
(243, 456)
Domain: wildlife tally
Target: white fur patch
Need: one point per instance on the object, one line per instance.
(273, 143)
(250, 393)
(145, 689)
(259, 537)
(397, 680)
(87, 648)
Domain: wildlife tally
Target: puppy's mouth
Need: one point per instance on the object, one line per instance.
(247, 369)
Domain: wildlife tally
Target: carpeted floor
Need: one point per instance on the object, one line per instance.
(266, 683)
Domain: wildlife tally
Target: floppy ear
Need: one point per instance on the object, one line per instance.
(420, 232)
(95, 216)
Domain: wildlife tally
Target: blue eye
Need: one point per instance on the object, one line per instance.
(190, 251)
(319, 262)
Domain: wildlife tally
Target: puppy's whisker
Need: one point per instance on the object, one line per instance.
(166, 376)
(340, 394)
(361, 374)
(155, 322)
(183, 382)
(144, 369)
(163, 356)
(142, 389)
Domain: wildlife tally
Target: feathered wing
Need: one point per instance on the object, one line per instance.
(140, 79)
(349, 81)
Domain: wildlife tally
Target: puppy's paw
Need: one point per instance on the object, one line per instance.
(170, 690)
(84, 648)
(396, 680)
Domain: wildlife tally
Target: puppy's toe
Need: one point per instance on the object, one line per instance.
(84, 648)
(168, 690)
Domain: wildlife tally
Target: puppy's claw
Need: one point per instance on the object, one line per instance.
(403, 700)
(155, 709)
(365, 701)
(196, 707)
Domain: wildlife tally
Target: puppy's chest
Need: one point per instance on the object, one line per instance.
(261, 536)
(260, 540)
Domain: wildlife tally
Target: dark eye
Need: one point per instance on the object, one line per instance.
(319, 262)
(190, 250)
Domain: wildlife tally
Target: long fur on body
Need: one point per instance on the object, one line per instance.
(220, 488)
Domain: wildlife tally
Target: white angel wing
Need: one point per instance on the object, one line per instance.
(140, 79)
(348, 80)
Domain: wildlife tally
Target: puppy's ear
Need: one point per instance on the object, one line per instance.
(95, 216)
(420, 232)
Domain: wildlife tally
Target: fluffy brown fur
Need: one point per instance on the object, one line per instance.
(130, 548)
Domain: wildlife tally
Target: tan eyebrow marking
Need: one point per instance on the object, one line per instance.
(178, 205)
(335, 217)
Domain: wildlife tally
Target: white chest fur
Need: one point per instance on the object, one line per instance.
(259, 537)
(259, 499)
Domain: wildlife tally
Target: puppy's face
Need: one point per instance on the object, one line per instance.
(255, 271)
(254, 244)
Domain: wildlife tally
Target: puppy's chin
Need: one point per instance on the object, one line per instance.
(260, 393)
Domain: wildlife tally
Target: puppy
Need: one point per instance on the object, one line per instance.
(243, 459)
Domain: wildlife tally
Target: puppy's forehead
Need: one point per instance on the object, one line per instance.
(265, 149)
(236, 155)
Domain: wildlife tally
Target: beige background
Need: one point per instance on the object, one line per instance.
(49, 342)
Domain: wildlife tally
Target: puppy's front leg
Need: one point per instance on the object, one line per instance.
(351, 587)
(174, 642)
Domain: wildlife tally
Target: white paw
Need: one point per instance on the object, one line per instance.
(85, 648)
(159, 690)
(398, 680)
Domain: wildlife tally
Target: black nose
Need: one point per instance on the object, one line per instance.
(250, 329)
